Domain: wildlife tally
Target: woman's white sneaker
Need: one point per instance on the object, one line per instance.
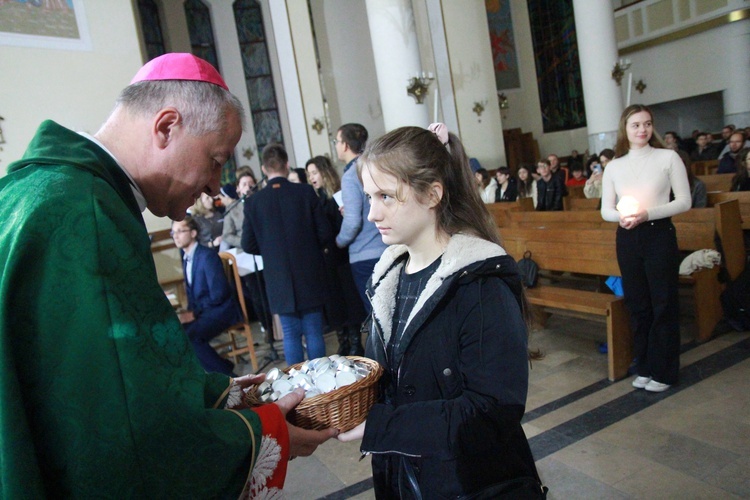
(641, 382)
(654, 386)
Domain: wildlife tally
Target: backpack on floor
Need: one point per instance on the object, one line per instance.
(529, 270)
(735, 301)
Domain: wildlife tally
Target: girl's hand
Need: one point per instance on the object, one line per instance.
(631, 221)
(354, 434)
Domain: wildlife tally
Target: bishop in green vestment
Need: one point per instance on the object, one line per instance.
(101, 394)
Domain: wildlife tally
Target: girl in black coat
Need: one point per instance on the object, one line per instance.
(343, 310)
(448, 327)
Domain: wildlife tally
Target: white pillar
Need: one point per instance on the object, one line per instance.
(737, 94)
(597, 51)
(394, 45)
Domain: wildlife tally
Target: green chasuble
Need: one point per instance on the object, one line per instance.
(100, 392)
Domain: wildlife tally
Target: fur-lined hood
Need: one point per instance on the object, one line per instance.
(464, 255)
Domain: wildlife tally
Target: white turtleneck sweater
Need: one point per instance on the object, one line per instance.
(646, 174)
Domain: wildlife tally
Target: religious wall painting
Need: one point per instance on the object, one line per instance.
(504, 56)
(55, 24)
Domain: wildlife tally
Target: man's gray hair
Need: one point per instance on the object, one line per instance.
(203, 106)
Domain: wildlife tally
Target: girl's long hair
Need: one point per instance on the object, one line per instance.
(331, 179)
(524, 187)
(622, 146)
(417, 158)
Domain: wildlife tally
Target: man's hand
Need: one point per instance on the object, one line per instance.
(302, 442)
(249, 380)
(186, 317)
(353, 434)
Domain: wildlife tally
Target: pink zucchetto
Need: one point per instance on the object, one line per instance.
(179, 66)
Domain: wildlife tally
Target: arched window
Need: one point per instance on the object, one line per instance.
(201, 33)
(151, 28)
(260, 90)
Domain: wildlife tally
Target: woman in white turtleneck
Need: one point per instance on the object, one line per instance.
(635, 192)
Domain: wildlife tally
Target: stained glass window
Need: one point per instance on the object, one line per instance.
(201, 33)
(151, 28)
(258, 76)
(557, 66)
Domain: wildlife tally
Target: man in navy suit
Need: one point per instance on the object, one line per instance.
(285, 223)
(211, 304)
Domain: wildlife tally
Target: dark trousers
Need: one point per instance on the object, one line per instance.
(256, 288)
(361, 272)
(200, 332)
(649, 263)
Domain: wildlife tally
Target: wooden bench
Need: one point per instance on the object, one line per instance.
(581, 203)
(584, 243)
(717, 182)
(168, 264)
(742, 196)
(499, 210)
(574, 192)
(705, 167)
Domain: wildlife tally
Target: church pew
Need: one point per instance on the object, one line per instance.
(717, 182)
(581, 203)
(742, 196)
(556, 246)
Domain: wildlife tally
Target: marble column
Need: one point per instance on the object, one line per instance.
(736, 96)
(394, 45)
(597, 51)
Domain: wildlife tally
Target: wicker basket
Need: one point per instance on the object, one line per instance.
(342, 409)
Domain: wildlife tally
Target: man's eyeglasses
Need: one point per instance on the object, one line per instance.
(334, 141)
(172, 233)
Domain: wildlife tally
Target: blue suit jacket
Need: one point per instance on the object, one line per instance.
(209, 292)
(285, 223)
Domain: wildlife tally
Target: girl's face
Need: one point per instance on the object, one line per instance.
(639, 128)
(245, 185)
(603, 160)
(523, 174)
(407, 221)
(313, 176)
(293, 177)
(207, 201)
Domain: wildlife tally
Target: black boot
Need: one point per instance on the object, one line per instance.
(343, 338)
(355, 341)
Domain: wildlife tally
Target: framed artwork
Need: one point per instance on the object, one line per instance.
(53, 24)
(504, 57)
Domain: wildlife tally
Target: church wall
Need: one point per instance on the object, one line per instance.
(347, 63)
(75, 88)
(473, 81)
(689, 67)
(525, 111)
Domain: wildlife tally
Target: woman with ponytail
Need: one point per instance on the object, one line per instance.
(447, 325)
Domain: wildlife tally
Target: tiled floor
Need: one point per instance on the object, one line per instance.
(596, 439)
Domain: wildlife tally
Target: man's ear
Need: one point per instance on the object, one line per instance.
(165, 123)
(436, 194)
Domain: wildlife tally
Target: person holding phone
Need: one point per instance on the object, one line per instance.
(596, 164)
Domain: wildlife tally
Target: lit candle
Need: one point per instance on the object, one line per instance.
(627, 206)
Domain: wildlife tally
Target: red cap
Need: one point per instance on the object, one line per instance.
(179, 66)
